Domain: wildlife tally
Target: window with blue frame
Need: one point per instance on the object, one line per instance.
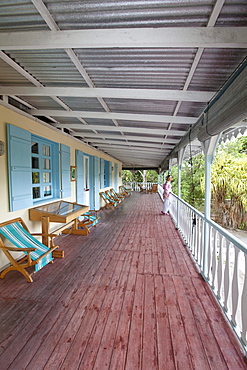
(34, 172)
(43, 174)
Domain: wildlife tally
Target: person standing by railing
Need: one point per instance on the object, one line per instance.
(166, 195)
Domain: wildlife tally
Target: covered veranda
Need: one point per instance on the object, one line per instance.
(127, 296)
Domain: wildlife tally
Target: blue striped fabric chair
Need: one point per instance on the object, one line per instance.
(125, 191)
(112, 196)
(109, 202)
(36, 253)
(89, 218)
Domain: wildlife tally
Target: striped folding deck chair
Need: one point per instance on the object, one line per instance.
(116, 195)
(109, 202)
(125, 191)
(36, 253)
(112, 196)
(89, 218)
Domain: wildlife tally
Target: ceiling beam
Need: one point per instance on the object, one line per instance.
(109, 115)
(94, 137)
(134, 146)
(183, 37)
(148, 131)
(89, 92)
(107, 143)
(138, 150)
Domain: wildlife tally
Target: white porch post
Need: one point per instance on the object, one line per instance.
(180, 157)
(209, 147)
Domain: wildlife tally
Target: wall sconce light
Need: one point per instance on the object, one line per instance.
(2, 149)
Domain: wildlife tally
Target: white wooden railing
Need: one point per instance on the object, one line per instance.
(135, 185)
(221, 259)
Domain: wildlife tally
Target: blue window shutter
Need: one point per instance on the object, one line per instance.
(96, 183)
(65, 171)
(79, 177)
(102, 173)
(91, 182)
(116, 177)
(106, 171)
(19, 164)
(110, 174)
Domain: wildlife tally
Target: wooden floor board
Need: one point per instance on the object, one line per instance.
(126, 297)
(164, 343)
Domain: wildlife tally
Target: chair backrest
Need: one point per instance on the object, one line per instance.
(106, 198)
(22, 239)
(155, 187)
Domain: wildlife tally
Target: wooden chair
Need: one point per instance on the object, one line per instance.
(112, 194)
(125, 191)
(142, 189)
(36, 253)
(89, 218)
(153, 189)
(109, 202)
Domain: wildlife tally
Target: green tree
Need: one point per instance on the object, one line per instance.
(229, 175)
(192, 175)
(139, 176)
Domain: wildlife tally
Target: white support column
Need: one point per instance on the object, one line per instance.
(209, 147)
(180, 157)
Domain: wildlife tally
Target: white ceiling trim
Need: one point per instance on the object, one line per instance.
(183, 37)
(115, 93)
(109, 115)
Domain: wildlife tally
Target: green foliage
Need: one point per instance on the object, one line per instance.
(243, 144)
(229, 176)
(127, 176)
(139, 176)
(192, 175)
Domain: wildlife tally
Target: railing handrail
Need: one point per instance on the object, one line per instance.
(238, 243)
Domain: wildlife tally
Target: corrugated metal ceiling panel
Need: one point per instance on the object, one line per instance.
(134, 13)
(50, 67)
(167, 68)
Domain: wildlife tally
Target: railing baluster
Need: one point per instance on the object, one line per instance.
(227, 276)
(214, 257)
(209, 252)
(196, 231)
(220, 267)
(235, 286)
(244, 306)
(201, 246)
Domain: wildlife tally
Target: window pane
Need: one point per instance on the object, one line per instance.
(35, 148)
(35, 162)
(46, 164)
(46, 177)
(47, 190)
(35, 177)
(46, 150)
(36, 192)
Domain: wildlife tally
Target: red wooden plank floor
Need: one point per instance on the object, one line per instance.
(127, 296)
